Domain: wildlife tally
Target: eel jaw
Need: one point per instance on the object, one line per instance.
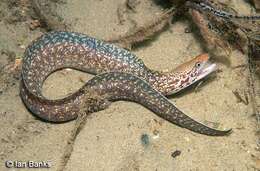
(207, 69)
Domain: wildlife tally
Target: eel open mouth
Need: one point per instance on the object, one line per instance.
(207, 69)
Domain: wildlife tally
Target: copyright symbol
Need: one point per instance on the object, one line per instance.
(9, 164)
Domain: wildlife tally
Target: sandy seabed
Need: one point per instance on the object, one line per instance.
(111, 139)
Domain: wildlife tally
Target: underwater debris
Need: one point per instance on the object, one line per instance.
(176, 153)
(10, 71)
(211, 38)
(240, 98)
(87, 106)
(144, 32)
(34, 24)
(254, 68)
(79, 124)
(257, 4)
(217, 31)
(227, 30)
(220, 10)
(254, 46)
(145, 140)
(132, 4)
(46, 14)
(121, 10)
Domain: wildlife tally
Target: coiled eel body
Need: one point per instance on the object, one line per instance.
(121, 76)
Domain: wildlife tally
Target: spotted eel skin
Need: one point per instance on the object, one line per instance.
(122, 76)
(207, 6)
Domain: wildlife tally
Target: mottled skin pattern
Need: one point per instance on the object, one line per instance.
(125, 77)
(208, 6)
(57, 50)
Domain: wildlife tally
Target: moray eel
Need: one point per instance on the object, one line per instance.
(120, 76)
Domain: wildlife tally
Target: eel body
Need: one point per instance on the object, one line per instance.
(121, 76)
(208, 6)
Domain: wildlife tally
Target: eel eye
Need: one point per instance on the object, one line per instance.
(198, 64)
